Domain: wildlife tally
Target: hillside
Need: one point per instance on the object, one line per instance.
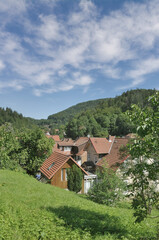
(16, 119)
(108, 109)
(63, 116)
(32, 210)
(138, 96)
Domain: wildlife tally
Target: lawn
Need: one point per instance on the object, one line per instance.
(33, 210)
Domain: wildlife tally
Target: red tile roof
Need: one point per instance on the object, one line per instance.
(55, 137)
(81, 141)
(114, 158)
(102, 145)
(58, 159)
(67, 142)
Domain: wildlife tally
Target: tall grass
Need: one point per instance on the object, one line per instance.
(32, 210)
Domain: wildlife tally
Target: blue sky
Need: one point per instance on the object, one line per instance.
(57, 53)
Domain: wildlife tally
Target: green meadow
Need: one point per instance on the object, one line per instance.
(33, 210)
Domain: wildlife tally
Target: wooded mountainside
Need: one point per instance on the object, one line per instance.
(17, 120)
(100, 117)
(124, 102)
(95, 118)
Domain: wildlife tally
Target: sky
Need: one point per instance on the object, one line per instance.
(57, 53)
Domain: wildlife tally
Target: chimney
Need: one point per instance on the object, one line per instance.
(109, 138)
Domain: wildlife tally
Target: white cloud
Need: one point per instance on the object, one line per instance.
(12, 6)
(112, 72)
(57, 53)
(15, 84)
(84, 80)
(144, 67)
(140, 70)
(2, 65)
(50, 28)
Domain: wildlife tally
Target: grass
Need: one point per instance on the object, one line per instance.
(32, 210)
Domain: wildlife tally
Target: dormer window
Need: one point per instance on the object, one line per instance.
(51, 166)
(67, 148)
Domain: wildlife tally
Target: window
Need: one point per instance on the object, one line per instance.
(51, 166)
(101, 155)
(62, 174)
(67, 148)
(66, 174)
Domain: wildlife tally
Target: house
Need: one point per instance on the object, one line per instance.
(66, 145)
(97, 148)
(88, 154)
(56, 139)
(115, 157)
(54, 170)
(80, 154)
(74, 148)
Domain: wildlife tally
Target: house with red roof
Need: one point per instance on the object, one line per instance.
(116, 156)
(54, 170)
(74, 148)
(56, 138)
(88, 154)
(97, 148)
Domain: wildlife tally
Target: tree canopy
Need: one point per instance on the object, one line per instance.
(144, 151)
(74, 177)
(108, 188)
(25, 149)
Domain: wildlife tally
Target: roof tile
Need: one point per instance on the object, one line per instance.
(114, 159)
(59, 160)
(101, 145)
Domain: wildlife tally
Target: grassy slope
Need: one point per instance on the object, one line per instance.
(32, 210)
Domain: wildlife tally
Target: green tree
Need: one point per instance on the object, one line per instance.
(74, 176)
(9, 147)
(144, 150)
(37, 147)
(108, 189)
(72, 129)
(123, 125)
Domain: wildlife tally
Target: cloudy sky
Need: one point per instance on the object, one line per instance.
(57, 53)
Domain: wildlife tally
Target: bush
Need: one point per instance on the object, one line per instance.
(108, 189)
(74, 175)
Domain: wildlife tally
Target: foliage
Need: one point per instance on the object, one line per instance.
(96, 118)
(37, 146)
(124, 102)
(9, 147)
(108, 189)
(17, 120)
(32, 210)
(74, 179)
(106, 117)
(145, 151)
(102, 110)
(26, 149)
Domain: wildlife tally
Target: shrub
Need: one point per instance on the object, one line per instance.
(74, 176)
(108, 189)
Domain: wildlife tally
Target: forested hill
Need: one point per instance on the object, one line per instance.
(123, 102)
(104, 113)
(17, 120)
(63, 116)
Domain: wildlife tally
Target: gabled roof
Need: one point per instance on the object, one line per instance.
(56, 160)
(101, 145)
(55, 137)
(70, 142)
(114, 158)
(67, 142)
(81, 141)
